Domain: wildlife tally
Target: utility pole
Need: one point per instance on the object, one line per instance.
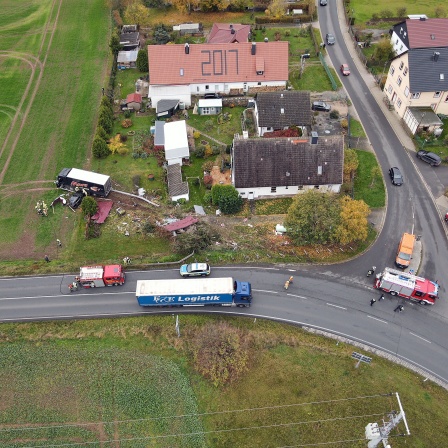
(376, 434)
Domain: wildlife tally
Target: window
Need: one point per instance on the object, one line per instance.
(319, 170)
(396, 43)
(392, 70)
(390, 88)
(300, 187)
(437, 94)
(401, 47)
(433, 106)
(401, 65)
(207, 87)
(442, 76)
(259, 83)
(405, 71)
(415, 96)
(406, 91)
(273, 189)
(399, 80)
(205, 111)
(399, 104)
(446, 99)
(181, 72)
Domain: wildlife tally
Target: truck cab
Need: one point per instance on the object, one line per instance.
(243, 293)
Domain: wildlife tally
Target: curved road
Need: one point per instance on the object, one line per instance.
(322, 301)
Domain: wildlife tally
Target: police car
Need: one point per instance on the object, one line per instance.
(195, 270)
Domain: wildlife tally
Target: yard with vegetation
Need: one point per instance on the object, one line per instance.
(135, 381)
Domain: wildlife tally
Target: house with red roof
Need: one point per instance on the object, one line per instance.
(134, 101)
(180, 71)
(417, 82)
(223, 33)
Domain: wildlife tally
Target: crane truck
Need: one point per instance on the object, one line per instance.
(194, 292)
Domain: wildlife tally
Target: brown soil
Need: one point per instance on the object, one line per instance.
(220, 178)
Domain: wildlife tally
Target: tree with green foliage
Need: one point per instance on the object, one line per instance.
(384, 51)
(313, 217)
(89, 207)
(99, 148)
(114, 44)
(101, 133)
(107, 112)
(161, 34)
(353, 224)
(220, 352)
(197, 239)
(106, 102)
(106, 123)
(227, 198)
(142, 61)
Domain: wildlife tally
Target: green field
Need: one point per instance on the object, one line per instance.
(134, 381)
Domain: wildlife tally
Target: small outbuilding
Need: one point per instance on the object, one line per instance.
(212, 106)
(134, 101)
(166, 108)
(176, 142)
(127, 59)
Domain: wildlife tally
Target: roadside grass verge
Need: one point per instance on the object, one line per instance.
(314, 79)
(122, 370)
(356, 129)
(367, 187)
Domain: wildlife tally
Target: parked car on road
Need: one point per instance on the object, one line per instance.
(320, 105)
(345, 70)
(395, 176)
(195, 270)
(429, 157)
(330, 39)
(323, 2)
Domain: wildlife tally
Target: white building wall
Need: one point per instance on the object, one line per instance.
(397, 44)
(264, 192)
(200, 89)
(181, 196)
(179, 92)
(173, 161)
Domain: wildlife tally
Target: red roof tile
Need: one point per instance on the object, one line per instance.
(222, 33)
(209, 63)
(181, 224)
(134, 98)
(427, 33)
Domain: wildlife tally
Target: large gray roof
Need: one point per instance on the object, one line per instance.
(428, 72)
(283, 109)
(265, 162)
(176, 186)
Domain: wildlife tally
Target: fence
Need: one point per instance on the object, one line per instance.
(330, 76)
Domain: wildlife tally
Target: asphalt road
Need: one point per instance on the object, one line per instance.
(410, 207)
(320, 300)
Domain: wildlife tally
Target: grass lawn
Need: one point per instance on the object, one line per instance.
(119, 379)
(356, 129)
(372, 192)
(222, 132)
(314, 79)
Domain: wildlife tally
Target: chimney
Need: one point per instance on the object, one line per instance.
(187, 48)
(253, 50)
(422, 19)
(436, 56)
(231, 26)
(314, 137)
(232, 31)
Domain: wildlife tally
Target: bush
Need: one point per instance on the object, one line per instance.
(334, 114)
(208, 165)
(105, 123)
(200, 151)
(344, 123)
(208, 150)
(196, 135)
(123, 138)
(101, 133)
(207, 198)
(127, 123)
(386, 13)
(227, 198)
(208, 181)
(127, 114)
(215, 150)
(99, 148)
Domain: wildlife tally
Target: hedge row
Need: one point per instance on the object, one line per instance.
(304, 18)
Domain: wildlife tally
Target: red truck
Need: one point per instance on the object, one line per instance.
(98, 276)
(416, 289)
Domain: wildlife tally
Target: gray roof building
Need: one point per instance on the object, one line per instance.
(176, 186)
(288, 161)
(428, 69)
(279, 110)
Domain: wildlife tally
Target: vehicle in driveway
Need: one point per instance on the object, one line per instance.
(429, 157)
(320, 105)
(330, 39)
(211, 95)
(345, 70)
(395, 176)
(195, 270)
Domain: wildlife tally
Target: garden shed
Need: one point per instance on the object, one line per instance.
(212, 106)
(127, 59)
(134, 101)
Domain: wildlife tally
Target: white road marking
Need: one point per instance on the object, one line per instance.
(417, 336)
(379, 320)
(295, 295)
(336, 306)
